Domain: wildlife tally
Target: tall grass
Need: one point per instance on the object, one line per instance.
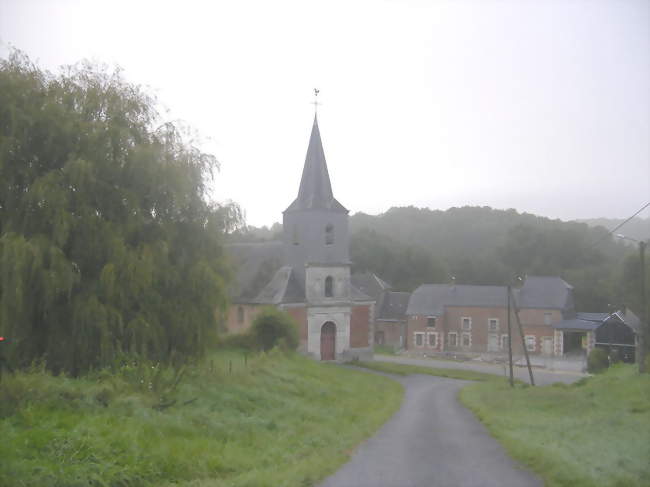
(595, 432)
(264, 420)
(403, 369)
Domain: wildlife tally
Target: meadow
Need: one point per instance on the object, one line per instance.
(595, 432)
(269, 419)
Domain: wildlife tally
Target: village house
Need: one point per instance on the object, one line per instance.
(308, 273)
(468, 318)
(474, 319)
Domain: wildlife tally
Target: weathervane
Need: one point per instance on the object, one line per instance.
(315, 102)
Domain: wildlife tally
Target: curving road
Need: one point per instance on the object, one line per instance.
(431, 441)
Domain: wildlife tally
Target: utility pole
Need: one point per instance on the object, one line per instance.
(643, 331)
(644, 327)
(512, 379)
(523, 342)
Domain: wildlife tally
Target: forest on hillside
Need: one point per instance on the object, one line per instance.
(409, 246)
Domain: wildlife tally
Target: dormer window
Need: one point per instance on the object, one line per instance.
(329, 287)
(329, 234)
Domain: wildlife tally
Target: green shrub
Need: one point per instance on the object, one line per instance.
(273, 327)
(597, 361)
(241, 341)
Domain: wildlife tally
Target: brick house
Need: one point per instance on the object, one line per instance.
(473, 319)
(307, 274)
(390, 309)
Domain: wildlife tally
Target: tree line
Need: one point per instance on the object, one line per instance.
(409, 246)
(481, 245)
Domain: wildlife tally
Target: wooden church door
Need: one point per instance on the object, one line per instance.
(328, 341)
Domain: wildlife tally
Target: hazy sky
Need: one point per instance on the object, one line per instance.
(542, 106)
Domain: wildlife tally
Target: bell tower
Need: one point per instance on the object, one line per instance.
(316, 249)
(316, 228)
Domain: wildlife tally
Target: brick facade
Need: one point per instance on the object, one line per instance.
(240, 317)
(360, 327)
(389, 333)
(299, 313)
(480, 330)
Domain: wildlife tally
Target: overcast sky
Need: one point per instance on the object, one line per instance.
(542, 106)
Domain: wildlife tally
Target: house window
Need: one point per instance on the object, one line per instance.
(466, 339)
(493, 324)
(419, 339)
(329, 234)
(548, 317)
(504, 342)
(530, 343)
(433, 339)
(329, 287)
(240, 314)
(452, 339)
(431, 322)
(466, 323)
(295, 234)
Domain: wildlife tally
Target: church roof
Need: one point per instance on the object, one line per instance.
(254, 265)
(370, 284)
(315, 191)
(285, 288)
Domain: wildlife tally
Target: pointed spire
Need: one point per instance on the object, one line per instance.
(315, 188)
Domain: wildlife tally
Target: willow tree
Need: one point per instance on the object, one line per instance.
(108, 243)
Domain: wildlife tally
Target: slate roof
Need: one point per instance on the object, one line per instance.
(260, 277)
(539, 292)
(357, 295)
(254, 266)
(591, 321)
(370, 284)
(632, 320)
(600, 317)
(315, 191)
(283, 288)
(431, 299)
(545, 292)
(577, 324)
(392, 306)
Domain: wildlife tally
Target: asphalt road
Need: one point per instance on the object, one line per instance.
(541, 376)
(431, 441)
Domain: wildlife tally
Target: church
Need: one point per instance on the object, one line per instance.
(307, 274)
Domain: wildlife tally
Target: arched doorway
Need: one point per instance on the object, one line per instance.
(328, 341)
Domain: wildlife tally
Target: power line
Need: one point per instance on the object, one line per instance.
(620, 225)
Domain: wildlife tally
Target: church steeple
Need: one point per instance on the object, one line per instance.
(315, 191)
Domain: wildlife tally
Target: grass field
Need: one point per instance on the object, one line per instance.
(276, 420)
(592, 433)
(401, 369)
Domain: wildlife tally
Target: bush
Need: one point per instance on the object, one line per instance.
(242, 341)
(273, 327)
(597, 361)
